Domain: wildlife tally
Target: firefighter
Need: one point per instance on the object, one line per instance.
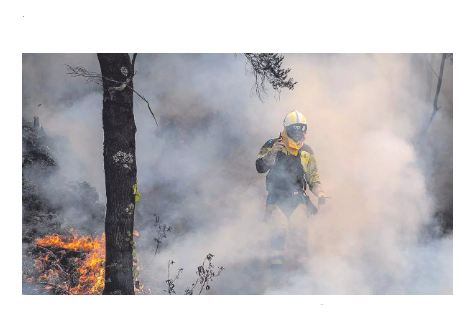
(291, 169)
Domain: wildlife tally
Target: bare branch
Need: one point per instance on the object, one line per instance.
(438, 88)
(147, 102)
(440, 80)
(80, 71)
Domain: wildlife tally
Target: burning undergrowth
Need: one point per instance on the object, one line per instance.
(70, 264)
(73, 264)
(57, 260)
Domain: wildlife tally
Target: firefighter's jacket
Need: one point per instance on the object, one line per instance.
(290, 173)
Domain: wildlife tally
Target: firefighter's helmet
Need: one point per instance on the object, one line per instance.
(294, 117)
(295, 124)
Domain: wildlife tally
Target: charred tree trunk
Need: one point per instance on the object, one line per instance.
(120, 171)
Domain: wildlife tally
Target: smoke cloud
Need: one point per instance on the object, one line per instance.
(196, 171)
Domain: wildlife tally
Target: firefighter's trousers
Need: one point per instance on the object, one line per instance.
(288, 231)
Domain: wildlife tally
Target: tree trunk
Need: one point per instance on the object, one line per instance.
(119, 170)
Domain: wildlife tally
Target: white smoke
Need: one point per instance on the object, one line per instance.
(197, 170)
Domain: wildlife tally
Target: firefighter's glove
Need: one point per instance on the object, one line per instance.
(270, 158)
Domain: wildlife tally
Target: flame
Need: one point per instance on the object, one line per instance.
(74, 264)
(90, 267)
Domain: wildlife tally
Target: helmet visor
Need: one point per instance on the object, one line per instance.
(296, 131)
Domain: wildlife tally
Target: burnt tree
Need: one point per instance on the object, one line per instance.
(117, 72)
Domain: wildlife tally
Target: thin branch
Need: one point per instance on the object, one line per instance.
(440, 80)
(435, 100)
(79, 71)
(76, 71)
(438, 89)
(149, 106)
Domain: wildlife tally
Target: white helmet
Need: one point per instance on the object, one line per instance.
(295, 125)
(294, 117)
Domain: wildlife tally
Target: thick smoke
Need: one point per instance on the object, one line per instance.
(196, 171)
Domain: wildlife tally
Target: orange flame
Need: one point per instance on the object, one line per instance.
(90, 268)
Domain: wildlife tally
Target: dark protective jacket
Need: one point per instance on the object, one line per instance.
(290, 173)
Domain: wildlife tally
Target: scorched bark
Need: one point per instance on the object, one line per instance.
(120, 171)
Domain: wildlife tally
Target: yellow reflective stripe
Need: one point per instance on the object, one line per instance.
(305, 159)
(309, 167)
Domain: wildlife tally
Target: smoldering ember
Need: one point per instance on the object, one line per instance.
(237, 174)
